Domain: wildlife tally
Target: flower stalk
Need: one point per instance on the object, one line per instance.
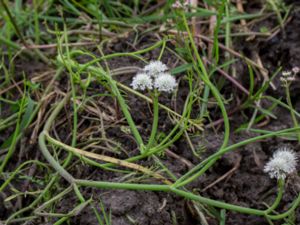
(278, 198)
(286, 80)
(155, 120)
(155, 79)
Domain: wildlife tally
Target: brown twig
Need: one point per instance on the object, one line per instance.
(221, 120)
(183, 160)
(230, 78)
(231, 51)
(55, 45)
(11, 87)
(212, 25)
(229, 173)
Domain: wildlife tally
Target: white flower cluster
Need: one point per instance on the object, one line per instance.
(155, 68)
(282, 163)
(165, 82)
(154, 75)
(141, 82)
(178, 5)
(288, 77)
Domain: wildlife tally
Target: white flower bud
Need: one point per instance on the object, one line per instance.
(141, 82)
(282, 163)
(165, 82)
(154, 68)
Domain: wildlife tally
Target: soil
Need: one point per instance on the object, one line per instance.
(246, 186)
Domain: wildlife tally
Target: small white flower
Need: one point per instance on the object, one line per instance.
(178, 5)
(282, 163)
(141, 82)
(286, 73)
(287, 78)
(165, 82)
(154, 68)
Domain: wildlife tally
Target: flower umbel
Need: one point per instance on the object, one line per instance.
(282, 163)
(178, 5)
(165, 82)
(141, 82)
(154, 75)
(154, 68)
(288, 77)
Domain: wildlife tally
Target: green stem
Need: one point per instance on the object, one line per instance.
(295, 204)
(186, 178)
(20, 127)
(288, 99)
(144, 97)
(126, 112)
(132, 186)
(40, 210)
(55, 177)
(204, 76)
(14, 173)
(279, 102)
(34, 203)
(278, 198)
(227, 33)
(100, 74)
(43, 147)
(9, 43)
(12, 20)
(166, 188)
(155, 121)
(14, 141)
(73, 91)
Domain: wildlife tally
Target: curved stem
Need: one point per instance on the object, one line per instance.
(278, 198)
(43, 147)
(228, 149)
(204, 76)
(166, 188)
(288, 212)
(152, 187)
